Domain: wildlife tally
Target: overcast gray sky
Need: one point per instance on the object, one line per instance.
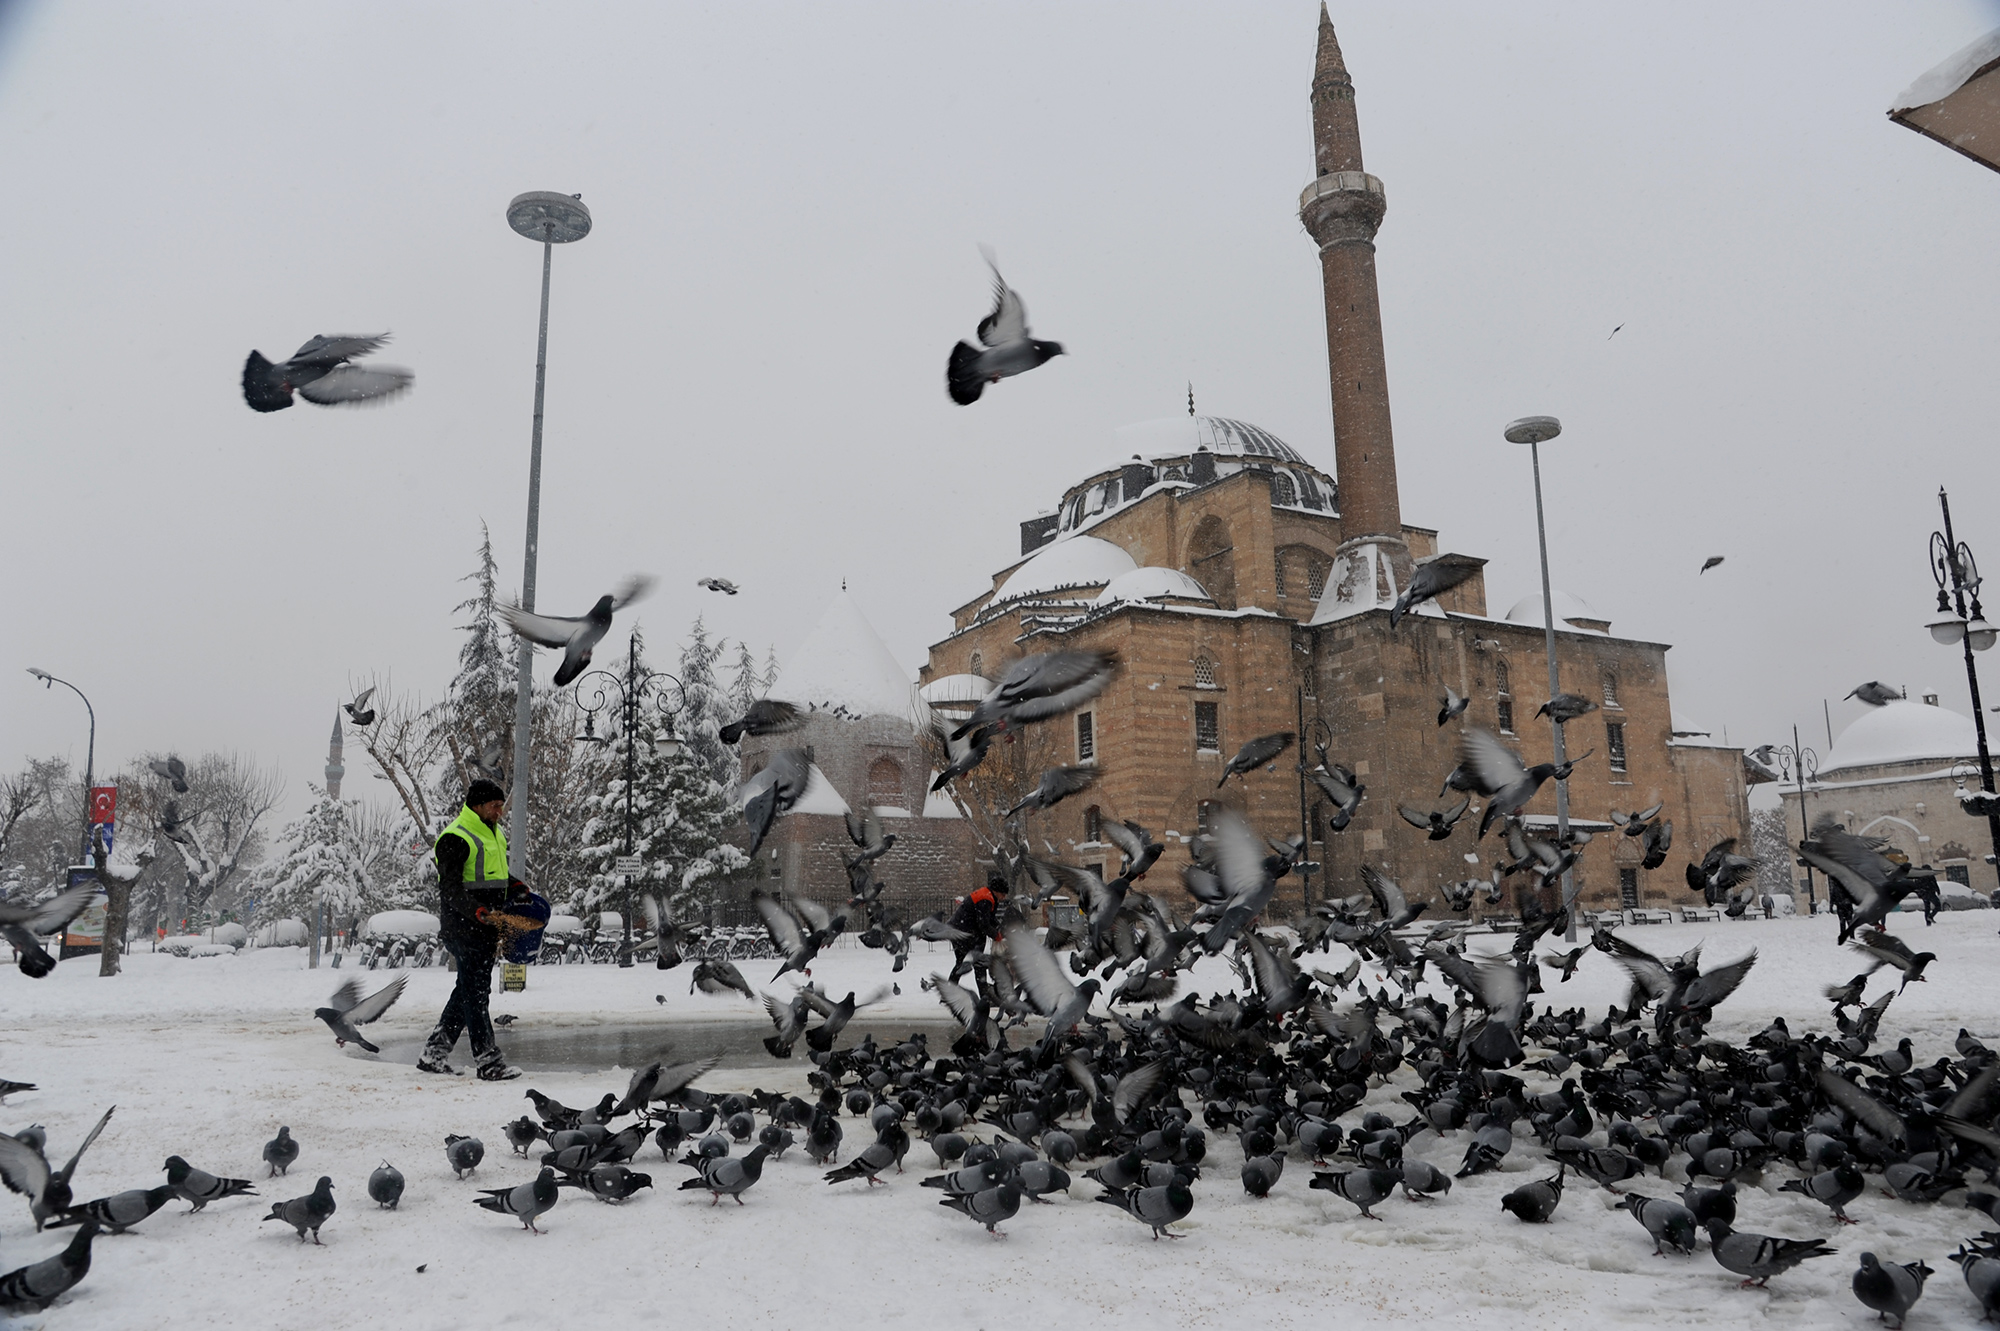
(747, 354)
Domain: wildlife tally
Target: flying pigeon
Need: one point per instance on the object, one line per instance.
(1009, 350)
(964, 753)
(774, 791)
(38, 1285)
(1437, 822)
(308, 1212)
(1451, 705)
(723, 585)
(1566, 707)
(322, 373)
(347, 1009)
(1255, 754)
(1431, 578)
(201, 1187)
(1711, 562)
(171, 769)
(766, 716)
(1875, 693)
(1057, 784)
(25, 1170)
(20, 923)
(576, 637)
(358, 711)
(1497, 773)
(1038, 687)
(385, 1185)
(526, 1200)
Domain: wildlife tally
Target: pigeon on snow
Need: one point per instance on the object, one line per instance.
(39, 1284)
(385, 1185)
(1009, 350)
(308, 1212)
(24, 1169)
(201, 1187)
(526, 1200)
(322, 372)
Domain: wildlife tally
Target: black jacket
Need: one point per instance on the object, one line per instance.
(978, 915)
(458, 899)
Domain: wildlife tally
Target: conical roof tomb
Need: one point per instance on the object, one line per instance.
(844, 666)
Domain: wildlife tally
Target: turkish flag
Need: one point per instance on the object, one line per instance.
(104, 804)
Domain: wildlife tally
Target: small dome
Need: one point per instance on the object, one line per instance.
(1903, 732)
(1150, 583)
(946, 689)
(843, 664)
(1174, 436)
(1076, 562)
(1569, 609)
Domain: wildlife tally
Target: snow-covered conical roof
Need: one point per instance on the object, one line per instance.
(1902, 732)
(844, 664)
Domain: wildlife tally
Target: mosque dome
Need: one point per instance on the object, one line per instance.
(1902, 732)
(1188, 452)
(1078, 562)
(1180, 435)
(1151, 583)
(1571, 612)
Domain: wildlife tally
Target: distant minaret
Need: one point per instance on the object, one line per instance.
(1342, 209)
(334, 771)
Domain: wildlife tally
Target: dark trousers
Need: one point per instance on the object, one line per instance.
(466, 1010)
(966, 948)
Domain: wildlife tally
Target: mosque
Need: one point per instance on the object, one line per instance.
(1246, 590)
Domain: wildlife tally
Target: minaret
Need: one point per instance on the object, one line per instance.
(1342, 209)
(334, 771)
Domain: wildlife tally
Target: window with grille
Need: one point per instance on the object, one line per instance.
(1283, 491)
(1506, 711)
(885, 784)
(977, 665)
(1207, 727)
(1086, 737)
(1280, 577)
(1204, 673)
(1093, 824)
(1505, 705)
(1614, 745)
(1315, 579)
(1628, 888)
(1611, 688)
(1204, 818)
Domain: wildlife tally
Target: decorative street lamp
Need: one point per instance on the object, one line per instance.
(1957, 577)
(639, 686)
(1534, 431)
(1801, 764)
(90, 754)
(554, 219)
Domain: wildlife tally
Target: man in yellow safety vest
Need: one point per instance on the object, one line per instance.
(472, 883)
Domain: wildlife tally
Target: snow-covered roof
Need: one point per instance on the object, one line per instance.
(1569, 609)
(404, 923)
(1178, 436)
(843, 663)
(1144, 584)
(939, 804)
(956, 688)
(1956, 70)
(1075, 561)
(1902, 732)
(820, 796)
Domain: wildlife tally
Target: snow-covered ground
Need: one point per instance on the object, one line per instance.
(206, 1057)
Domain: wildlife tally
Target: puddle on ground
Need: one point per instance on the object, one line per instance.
(550, 1045)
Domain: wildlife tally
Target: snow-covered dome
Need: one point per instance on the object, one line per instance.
(1173, 436)
(948, 689)
(1569, 609)
(1079, 561)
(843, 664)
(1903, 732)
(1150, 582)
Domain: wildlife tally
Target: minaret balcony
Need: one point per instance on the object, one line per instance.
(1343, 206)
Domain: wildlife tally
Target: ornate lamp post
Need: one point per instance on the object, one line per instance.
(90, 754)
(1534, 431)
(1802, 765)
(554, 219)
(1957, 579)
(639, 687)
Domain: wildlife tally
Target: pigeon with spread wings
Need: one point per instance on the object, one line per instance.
(323, 373)
(577, 637)
(1009, 350)
(347, 1010)
(20, 923)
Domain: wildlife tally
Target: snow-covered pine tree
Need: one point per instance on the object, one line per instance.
(748, 684)
(707, 705)
(680, 818)
(316, 863)
(770, 667)
(478, 711)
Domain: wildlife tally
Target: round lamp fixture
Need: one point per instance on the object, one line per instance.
(1980, 634)
(1948, 629)
(1533, 430)
(545, 215)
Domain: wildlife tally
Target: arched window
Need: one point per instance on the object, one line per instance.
(1204, 671)
(1610, 687)
(977, 665)
(1283, 492)
(1500, 678)
(1505, 700)
(885, 784)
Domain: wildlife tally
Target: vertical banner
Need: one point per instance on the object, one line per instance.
(85, 934)
(103, 814)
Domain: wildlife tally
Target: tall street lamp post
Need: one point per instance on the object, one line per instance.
(639, 686)
(1957, 578)
(1801, 764)
(90, 755)
(554, 219)
(1534, 431)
